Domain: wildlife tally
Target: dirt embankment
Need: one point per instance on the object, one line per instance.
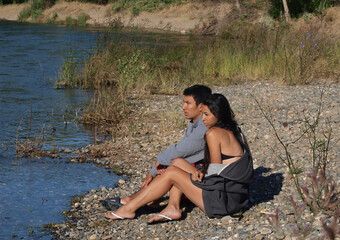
(198, 17)
(182, 18)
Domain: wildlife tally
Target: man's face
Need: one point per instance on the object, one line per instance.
(191, 110)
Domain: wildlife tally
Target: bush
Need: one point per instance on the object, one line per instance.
(35, 10)
(81, 20)
(24, 14)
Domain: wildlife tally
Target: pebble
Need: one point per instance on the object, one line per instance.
(272, 186)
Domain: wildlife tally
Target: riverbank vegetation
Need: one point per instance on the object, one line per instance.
(274, 51)
(244, 53)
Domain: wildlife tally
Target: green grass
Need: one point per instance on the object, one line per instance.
(248, 53)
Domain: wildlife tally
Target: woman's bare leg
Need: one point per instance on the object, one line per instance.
(172, 210)
(173, 176)
(175, 195)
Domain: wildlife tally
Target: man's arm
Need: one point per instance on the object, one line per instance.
(191, 148)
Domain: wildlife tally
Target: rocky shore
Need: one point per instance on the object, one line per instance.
(135, 153)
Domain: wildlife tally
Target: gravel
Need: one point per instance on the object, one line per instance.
(271, 189)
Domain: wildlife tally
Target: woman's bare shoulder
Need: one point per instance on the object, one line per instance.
(215, 131)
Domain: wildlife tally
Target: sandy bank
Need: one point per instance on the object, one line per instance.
(184, 18)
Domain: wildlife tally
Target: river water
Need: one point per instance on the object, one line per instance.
(34, 192)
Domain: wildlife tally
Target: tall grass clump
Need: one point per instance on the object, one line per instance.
(107, 109)
(68, 73)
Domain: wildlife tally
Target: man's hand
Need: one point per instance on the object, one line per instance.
(197, 176)
(160, 168)
(147, 181)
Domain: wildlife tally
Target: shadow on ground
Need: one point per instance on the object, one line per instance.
(265, 186)
(263, 189)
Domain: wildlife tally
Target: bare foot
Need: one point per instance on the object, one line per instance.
(168, 213)
(119, 214)
(125, 200)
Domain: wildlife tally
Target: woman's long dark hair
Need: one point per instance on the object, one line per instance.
(220, 108)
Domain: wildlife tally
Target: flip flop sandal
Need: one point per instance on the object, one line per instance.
(162, 220)
(111, 204)
(117, 217)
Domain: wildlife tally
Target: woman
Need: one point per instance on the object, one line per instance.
(221, 187)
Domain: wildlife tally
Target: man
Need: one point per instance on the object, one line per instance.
(190, 148)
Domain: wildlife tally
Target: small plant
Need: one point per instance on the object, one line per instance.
(322, 198)
(24, 14)
(68, 73)
(69, 21)
(81, 20)
(30, 230)
(53, 18)
(332, 229)
(134, 11)
(32, 146)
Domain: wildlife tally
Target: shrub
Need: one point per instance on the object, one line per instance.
(24, 14)
(69, 21)
(81, 20)
(35, 10)
(53, 18)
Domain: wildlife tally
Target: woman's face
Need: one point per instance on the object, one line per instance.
(208, 118)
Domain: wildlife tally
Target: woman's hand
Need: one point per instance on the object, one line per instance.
(197, 176)
(160, 169)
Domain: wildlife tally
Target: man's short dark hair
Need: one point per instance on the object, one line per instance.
(198, 92)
